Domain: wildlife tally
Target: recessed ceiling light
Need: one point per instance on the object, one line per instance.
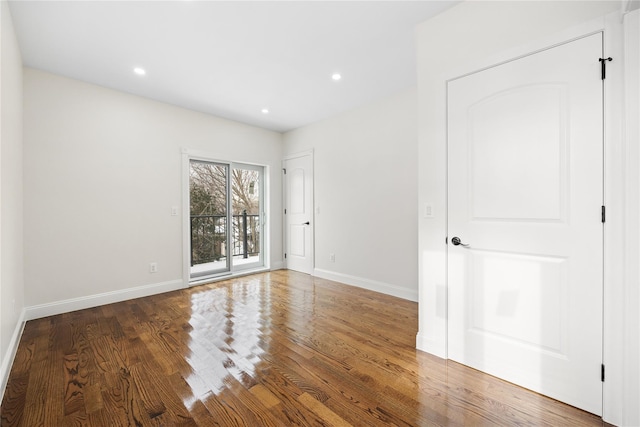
(139, 71)
(265, 111)
(336, 76)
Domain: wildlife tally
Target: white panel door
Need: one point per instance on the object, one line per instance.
(525, 194)
(298, 213)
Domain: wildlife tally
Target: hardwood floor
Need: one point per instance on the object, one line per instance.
(274, 349)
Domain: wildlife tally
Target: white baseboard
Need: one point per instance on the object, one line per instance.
(7, 360)
(427, 345)
(66, 306)
(372, 285)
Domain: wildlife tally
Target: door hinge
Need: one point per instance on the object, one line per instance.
(285, 211)
(284, 171)
(603, 67)
(285, 256)
(603, 213)
(602, 372)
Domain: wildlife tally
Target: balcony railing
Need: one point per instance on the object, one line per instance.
(209, 237)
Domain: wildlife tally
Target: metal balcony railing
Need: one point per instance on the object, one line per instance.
(209, 237)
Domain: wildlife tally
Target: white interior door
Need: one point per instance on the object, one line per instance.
(298, 213)
(525, 194)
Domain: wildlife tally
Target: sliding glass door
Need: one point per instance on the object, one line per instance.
(246, 198)
(226, 229)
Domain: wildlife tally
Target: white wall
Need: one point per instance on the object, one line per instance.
(365, 175)
(467, 37)
(11, 241)
(102, 172)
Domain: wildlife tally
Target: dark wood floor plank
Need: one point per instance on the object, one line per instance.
(46, 381)
(287, 393)
(13, 401)
(273, 349)
(122, 404)
(227, 410)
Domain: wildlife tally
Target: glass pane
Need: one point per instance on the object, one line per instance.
(208, 207)
(245, 194)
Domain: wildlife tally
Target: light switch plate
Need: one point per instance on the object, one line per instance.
(428, 210)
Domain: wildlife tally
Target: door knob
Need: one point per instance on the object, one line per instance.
(456, 241)
(306, 223)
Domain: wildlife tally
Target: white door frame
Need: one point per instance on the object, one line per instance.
(285, 236)
(615, 180)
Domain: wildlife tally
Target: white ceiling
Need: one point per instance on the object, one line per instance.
(231, 58)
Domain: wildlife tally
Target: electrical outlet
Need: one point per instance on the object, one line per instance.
(153, 267)
(332, 257)
(174, 211)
